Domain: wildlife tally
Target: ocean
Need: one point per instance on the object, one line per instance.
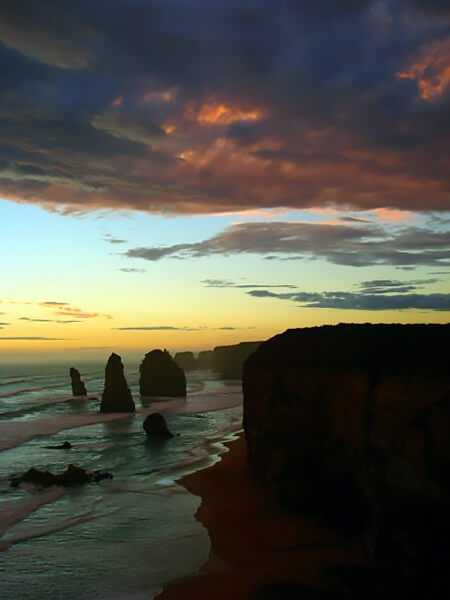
(117, 539)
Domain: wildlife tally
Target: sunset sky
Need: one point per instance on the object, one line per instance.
(189, 173)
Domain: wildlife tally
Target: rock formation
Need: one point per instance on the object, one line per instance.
(73, 475)
(116, 395)
(350, 425)
(161, 376)
(228, 360)
(185, 360)
(205, 359)
(65, 446)
(78, 387)
(155, 426)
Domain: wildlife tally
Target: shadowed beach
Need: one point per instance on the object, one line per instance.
(253, 542)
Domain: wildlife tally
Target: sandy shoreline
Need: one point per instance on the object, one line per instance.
(252, 541)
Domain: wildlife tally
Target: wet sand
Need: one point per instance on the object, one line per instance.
(252, 541)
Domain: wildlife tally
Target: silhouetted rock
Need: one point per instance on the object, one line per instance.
(78, 387)
(161, 376)
(116, 395)
(64, 446)
(73, 475)
(205, 359)
(350, 425)
(185, 360)
(228, 360)
(155, 426)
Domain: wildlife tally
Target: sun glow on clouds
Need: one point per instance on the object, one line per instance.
(431, 70)
(221, 114)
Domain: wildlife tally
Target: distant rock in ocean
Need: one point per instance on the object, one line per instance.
(155, 426)
(64, 446)
(205, 359)
(161, 376)
(228, 361)
(73, 475)
(116, 395)
(185, 360)
(78, 387)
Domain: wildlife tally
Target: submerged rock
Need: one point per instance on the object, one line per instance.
(116, 395)
(73, 475)
(161, 376)
(65, 446)
(155, 426)
(78, 387)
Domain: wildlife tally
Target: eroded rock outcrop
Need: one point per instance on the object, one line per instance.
(161, 376)
(185, 360)
(205, 359)
(116, 395)
(228, 361)
(73, 475)
(155, 426)
(78, 387)
(350, 425)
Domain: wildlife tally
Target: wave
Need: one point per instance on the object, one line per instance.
(14, 512)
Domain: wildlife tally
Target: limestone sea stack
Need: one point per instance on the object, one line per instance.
(185, 360)
(161, 376)
(78, 387)
(116, 395)
(155, 426)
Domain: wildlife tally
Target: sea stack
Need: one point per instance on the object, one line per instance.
(185, 360)
(78, 387)
(155, 426)
(161, 376)
(116, 396)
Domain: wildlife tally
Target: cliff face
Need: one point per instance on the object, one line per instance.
(116, 395)
(228, 360)
(350, 424)
(161, 376)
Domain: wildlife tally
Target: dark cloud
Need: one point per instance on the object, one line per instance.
(32, 338)
(156, 328)
(363, 301)
(113, 240)
(348, 244)
(131, 270)
(201, 107)
(47, 320)
(223, 283)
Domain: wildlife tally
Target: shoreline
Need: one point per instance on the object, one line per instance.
(253, 542)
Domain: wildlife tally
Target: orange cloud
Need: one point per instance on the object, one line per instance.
(78, 312)
(220, 114)
(431, 70)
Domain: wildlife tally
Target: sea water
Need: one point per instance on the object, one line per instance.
(119, 538)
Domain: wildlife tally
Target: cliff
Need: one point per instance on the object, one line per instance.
(350, 425)
(228, 360)
(116, 395)
(161, 376)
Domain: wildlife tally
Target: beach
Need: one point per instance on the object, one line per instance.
(253, 543)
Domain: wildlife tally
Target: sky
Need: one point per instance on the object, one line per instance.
(186, 174)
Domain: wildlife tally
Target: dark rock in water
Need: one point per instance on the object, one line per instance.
(73, 475)
(155, 426)
(64, 446)
(228, 361)
(185, 360)
(205, 359)
(161, 376)
(116, 395)
(350, 425)
(78, 387)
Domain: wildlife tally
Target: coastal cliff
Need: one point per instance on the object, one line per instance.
(350, 425)
(228, 360)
